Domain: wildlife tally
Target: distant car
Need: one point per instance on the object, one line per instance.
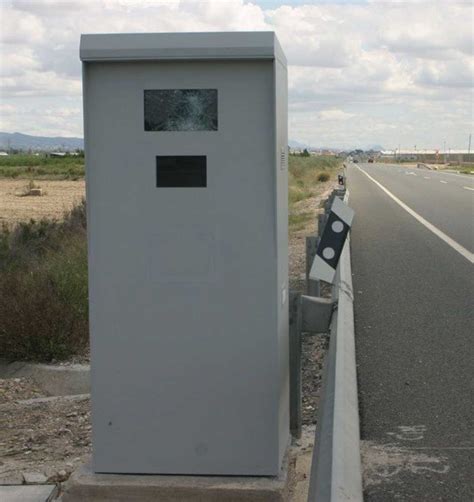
(355, 161)
(371, 161)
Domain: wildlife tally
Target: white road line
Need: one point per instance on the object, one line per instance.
(426, 177)
(465, 176)
(457, 247)
(469, 188)
(442, 181)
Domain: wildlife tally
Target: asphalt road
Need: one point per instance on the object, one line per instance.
(414, 332)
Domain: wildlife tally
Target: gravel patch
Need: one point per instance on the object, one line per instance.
(314, 353)
(47, 438)
(17, 389)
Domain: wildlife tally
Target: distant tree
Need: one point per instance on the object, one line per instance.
(305, 153)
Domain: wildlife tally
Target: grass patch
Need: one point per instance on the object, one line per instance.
(297, 194)
(466, 168)
(43, 289)
(41, 166)
(305, 175)
(300, 220)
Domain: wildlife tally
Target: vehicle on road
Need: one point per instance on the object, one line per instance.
(371, 161)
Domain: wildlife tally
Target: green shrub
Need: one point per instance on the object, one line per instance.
(41, 159)
(304, 174)
(43, 289)
(34, 166)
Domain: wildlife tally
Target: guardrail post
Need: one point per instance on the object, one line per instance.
(312, 287)
(322, 218)
(328, 203)
(315, 314)
(295, 363)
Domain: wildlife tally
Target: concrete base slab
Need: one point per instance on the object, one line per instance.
(27, 493)
(86, 486)
(55, 380)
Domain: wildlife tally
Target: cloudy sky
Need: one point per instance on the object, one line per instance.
(361, 72)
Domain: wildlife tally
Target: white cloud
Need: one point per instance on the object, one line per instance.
(46, 120)
(335, 115)
(39, 83)
(395, 68)
(19, 59)
(20, 28)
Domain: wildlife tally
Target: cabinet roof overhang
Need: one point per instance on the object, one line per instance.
(261, 45)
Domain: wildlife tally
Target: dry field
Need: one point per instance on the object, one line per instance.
(58, 196)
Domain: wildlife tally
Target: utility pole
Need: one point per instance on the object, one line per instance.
(469, 146)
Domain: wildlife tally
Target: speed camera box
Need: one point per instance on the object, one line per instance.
(186, 155)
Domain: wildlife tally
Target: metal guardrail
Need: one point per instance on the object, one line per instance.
(336, 465)
(336, 468)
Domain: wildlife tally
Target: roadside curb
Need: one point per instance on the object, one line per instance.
(28, 493)
(54, 380)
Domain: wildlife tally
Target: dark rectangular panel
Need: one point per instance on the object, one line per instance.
(180, 109)
(181, 171)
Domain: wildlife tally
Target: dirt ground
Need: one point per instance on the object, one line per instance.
(58, 197)
(44, 436)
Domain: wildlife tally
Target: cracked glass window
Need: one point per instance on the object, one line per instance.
(181, 110)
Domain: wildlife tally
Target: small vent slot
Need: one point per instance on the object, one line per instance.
(283, 158)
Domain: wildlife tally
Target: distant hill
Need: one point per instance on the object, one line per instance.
(375, 148)
(20, 141)
(296, 144)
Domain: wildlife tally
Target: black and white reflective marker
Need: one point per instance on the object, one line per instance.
(332, 241)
